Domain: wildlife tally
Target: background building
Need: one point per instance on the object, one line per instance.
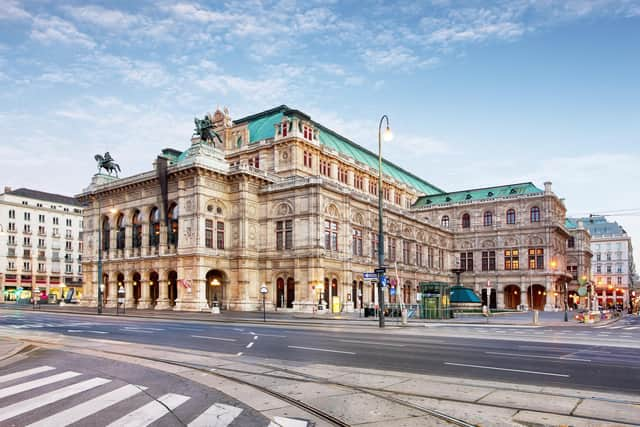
(40, 243)
(613, 269)
(276, 198)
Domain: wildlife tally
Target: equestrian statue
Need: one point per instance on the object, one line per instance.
(107, 163)
(204, 128)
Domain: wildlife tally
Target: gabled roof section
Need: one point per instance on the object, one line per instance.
(45, 197)
(487, 193)
(262, 126)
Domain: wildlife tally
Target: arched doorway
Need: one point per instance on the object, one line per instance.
(105, 288)
(280, 292)
(354, 294)
(491, 301)
(216, 281)
(153, 287)
(136, 287)
(325, 295)
(291, 292)
(120, 284)
(511, 297)
(173, 287)
(538, 294)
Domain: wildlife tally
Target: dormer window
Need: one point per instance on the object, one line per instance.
(448, 199)
(513, 191)
(307, 133)
(490, 194)
(468, 197)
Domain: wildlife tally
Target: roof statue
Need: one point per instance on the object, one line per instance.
(204, 128)
(107, 163)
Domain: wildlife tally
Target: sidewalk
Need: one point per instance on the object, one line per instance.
(285, 317)
(9, 347)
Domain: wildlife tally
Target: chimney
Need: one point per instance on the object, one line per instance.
(547, 187)
(7, 189)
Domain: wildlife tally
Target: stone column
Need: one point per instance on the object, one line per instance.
(144, 250)
(112, 297)
(499, 298)
(163, 295)
(163, 239)
(550, 299)
(145, 296)
(128, 292)
(128, 240)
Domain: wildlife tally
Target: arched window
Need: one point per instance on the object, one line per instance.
(511, 216)
(466, 220)
(488, 219)
(154, 228)
(120, 232)
(106, 233)
(173, 225)
(136, 229)
(445, 221)
(535, 214)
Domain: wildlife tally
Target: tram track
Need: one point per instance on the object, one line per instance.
(285, 374)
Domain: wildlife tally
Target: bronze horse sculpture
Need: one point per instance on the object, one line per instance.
(204, 128)
(107, 163)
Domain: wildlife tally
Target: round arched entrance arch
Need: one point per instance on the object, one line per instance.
(537, 294)
(136, 287)
(511, 297)
(216, 281)
(154, 289)
(173, 287)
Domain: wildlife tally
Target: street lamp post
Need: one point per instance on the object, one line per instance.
(99, 259)
(387, 137)
(566, 301)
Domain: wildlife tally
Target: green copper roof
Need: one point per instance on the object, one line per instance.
(262, 126)
(570, 224)
(478, 194)
(460, 294)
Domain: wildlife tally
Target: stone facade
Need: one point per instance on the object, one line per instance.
(283, 202)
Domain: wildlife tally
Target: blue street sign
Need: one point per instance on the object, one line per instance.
(370, 276)
(392, 291)
(383, 281)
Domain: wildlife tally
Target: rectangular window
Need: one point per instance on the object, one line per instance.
(27, 216)
(406, 254)
(307, 159)
(68, 223)
(40, 218)
(56, 221)
(441, 259)
(391, 256)
(357, 242)
(373, 187)
(430, 257)
(386, 193)
(536, 259)
(42, 231)
(68, 246)
(358, 182)
(511, 259)
(466, 261)
(12, 214)
(26, 266)
(619, 280)
(419, 255)
(284, 235)
(342, 175)
(396, 198)
(27, 228)
(374, 246)
(26, 241)
(220, 235)
(12, 226)
(325, 168)
(208, 233)
(330, 235)
(41, 243)
(608, 268)
(11, 240)
(488, 260)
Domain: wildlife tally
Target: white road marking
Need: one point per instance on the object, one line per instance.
(631, 328)
(83, 410)
(73, 331)
(250, 344)
(239, 353)
(30, 385)
(320, 349)
(255, 338)
(185, 329)
(45, 399)
(22, 374)
(252, 333)
(218, 415)
(139, 328)
(537, 357)
(213, 338)
(151, 412)
(287, 422)
(374, 343)
(266, 335)
(139, 331)
(506, 369)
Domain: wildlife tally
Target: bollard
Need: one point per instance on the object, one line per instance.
(404, 317)
(536, 316)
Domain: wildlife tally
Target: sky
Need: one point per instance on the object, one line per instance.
(478, 93)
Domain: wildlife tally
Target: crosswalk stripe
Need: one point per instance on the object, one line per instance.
(631, 328)
(218, 415)
(83, 410)
(47, 398)
(30, 385)
(22, 374)
(287, 422)
(150, 412)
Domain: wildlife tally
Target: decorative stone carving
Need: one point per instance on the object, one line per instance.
(284, 209)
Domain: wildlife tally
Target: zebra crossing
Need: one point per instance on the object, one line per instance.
(23, 403)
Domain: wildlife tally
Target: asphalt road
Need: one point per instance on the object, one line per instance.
(521, 354)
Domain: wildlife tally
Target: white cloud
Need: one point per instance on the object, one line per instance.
(50, 30)
(11, 10)
(101, 17)
(147, 73)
